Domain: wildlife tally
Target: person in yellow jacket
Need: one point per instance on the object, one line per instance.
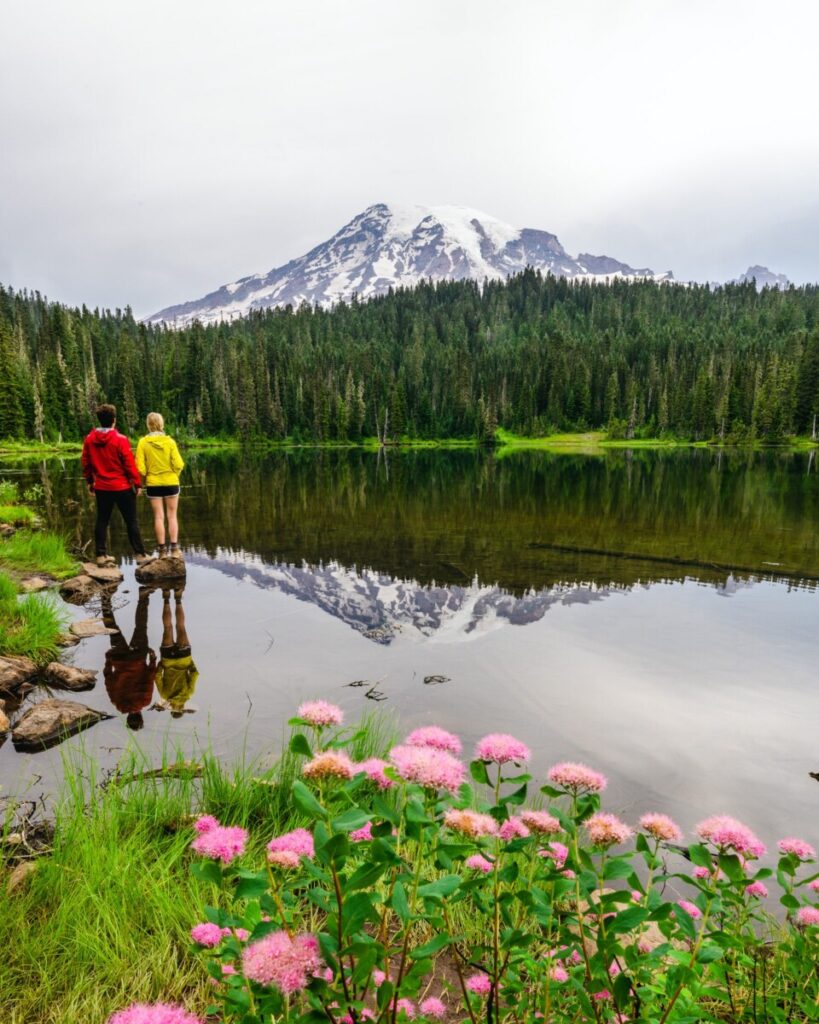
(159, 463)
(176, 675)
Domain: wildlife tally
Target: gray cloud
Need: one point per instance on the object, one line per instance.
(151, 152)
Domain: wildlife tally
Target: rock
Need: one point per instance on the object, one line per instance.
(166, 568)
(6, 530)
(108, 574)
(20, 875)
(79, 589)
(66, 677)
(90, 627)
(67, 640)
(5, 724)
(14, 672)
(34, 584)
(51, 721)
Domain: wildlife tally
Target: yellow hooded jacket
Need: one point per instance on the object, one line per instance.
(158, 460)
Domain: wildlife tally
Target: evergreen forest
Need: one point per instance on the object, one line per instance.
(532, 355)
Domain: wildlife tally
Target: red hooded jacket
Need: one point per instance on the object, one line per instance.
(108, 462)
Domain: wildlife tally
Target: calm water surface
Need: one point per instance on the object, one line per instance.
(653, 613)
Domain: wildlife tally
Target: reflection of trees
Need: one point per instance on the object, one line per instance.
(524, 520)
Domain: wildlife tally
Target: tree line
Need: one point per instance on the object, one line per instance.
(534, 354)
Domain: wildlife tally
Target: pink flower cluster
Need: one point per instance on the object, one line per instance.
(758, 889)
(277, 959)
(373, 768)
(363, 834)
(557, 852)
(661, 827)
(286, 851)
(513, 828)
(607, 830)
(477, 862)
(577, 777)
(329, 764)
(541, 823)
(480, 984)
(221, 842)
(798, 847)
(210, 935)
(154, 1013)
(320, 713)
(690, 908)
(501, 748)
(808, 917)
(471, 823)
(728, 833)
(431, 768)
(436, 737)
(433, 1007)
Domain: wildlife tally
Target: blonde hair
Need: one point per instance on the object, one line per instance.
(155, 421)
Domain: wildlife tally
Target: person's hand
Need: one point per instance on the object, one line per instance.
(138, 491)
(91, 489)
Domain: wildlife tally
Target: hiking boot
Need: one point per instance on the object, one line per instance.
(143, 559)
(105, 561)
(176, 551)
(161, 550)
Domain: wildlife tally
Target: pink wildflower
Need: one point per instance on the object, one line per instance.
(373, 768)
(636, 896)
(471, 823)
(690, 908)
(433, 1007)
(702, 872)
(281, 961)
(807, 916)
(559, 974)
(798, 847)
(501, 748)
(320, 713)
(154, 1013)
(541, 823)
(286, 851)
(326, 974)
(661, 827)
(614, 969)
(758, 889)
(725, 833)
(406, 1006)
(221, 842)
(480, 984)
(513, 828)
(207, 934)
(602, 995)
(557, 852)
(330, 764)
(363, 834)
(205, 823)
(607, 830)
(433, 769)
(436, 737)
(479, 863)
(814, 885)
(577, 777)
(379, 977)
(644, 946)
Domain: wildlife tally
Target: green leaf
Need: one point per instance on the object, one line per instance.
(477, 769)
(358, 908)
(300, 745)
(731, 866)
(708, 954)
(366, 875)
(628, 919)
(349, 820)
(306, 802)
(441, 887)
(432, 947)
(399, 902)
(251, 885)
(618, 867)
(789, 901)
(516, 798)
(207, 871)
(700, 856)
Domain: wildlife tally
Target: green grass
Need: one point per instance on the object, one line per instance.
(17, 515)
(29, 627)
(38, 552)
(591, 440)
(105, 919)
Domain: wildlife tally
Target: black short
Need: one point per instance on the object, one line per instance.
(162, 492)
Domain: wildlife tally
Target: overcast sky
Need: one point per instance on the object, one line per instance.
(152, 151)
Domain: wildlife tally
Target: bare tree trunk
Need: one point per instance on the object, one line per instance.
(813, 432)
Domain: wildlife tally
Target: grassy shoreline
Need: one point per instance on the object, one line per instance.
(580, 442)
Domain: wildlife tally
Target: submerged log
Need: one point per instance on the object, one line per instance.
(52, 721)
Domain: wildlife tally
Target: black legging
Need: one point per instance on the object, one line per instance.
(126, 503)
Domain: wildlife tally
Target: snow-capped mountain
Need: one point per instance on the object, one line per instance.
(764, 278)
(390, 246)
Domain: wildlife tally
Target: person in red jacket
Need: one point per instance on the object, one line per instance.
(112, 477)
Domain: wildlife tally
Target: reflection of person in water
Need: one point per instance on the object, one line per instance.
(130, 668)
(177, 674)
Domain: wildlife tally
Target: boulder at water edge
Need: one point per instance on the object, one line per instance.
(14, 672)
(166, 568)
(52, 721)
(66, 677)
(102, 574)
(90, 627)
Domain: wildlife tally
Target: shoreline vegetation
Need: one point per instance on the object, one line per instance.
(425, 887)
(589, 441)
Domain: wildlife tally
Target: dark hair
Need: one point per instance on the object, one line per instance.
(106, 414)
(135, 720)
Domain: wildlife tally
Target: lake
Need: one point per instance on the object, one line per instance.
(654, 613)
